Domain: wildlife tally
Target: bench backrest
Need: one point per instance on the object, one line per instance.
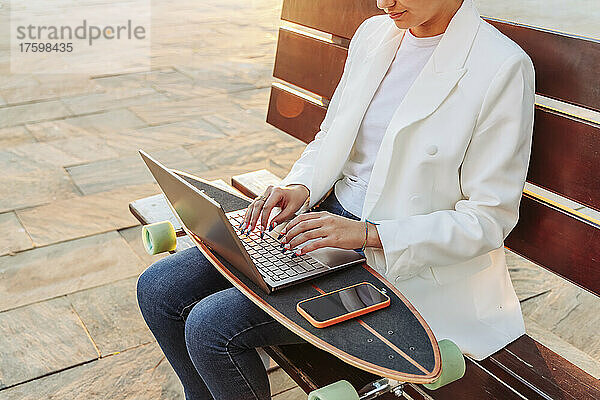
(565, 155)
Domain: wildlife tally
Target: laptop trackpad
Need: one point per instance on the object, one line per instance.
(334, 257)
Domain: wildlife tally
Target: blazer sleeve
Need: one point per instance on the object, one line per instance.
(492, 178)
(303, 169)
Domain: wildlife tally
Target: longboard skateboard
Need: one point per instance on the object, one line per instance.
(394, 343)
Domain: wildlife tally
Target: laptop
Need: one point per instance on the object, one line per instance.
(262, 261)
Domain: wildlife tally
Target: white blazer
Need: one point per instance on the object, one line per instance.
(448, 178)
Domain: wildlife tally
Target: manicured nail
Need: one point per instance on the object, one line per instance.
(280, 236)
(287, 246)
(261, 234)
(294, 255)
(298, 252)
(272, 226)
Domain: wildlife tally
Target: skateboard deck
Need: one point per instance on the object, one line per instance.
(394, 342)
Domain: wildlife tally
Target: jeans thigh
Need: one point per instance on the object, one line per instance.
(175, 283)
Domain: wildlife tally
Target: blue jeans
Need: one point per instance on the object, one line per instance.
(207, 329)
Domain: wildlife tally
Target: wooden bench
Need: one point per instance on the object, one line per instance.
(565, 160)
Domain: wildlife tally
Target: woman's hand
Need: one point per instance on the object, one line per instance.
(288, 198)
(329, 230)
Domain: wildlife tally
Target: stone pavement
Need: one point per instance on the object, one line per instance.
(70, 251)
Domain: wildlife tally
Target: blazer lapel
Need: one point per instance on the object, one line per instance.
(435, 82)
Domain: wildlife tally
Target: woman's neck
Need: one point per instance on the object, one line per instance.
(438, 24)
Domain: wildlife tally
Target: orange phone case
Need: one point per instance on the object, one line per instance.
(344, 317)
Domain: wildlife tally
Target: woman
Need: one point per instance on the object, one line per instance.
(431, 125)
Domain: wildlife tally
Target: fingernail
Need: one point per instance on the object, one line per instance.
(280, 236)
(261, 234)
(298, 252)
(281, 245)
(287, 246)
(294, 255)
(272, 226)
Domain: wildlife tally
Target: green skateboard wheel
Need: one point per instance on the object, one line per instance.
(453, 365)
(159, 237)
(340, 390)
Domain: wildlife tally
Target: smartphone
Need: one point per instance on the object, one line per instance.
(330, 308)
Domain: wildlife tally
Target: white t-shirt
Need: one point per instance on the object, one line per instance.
(411, 57)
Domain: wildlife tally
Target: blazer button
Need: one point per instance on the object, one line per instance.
(432, 150)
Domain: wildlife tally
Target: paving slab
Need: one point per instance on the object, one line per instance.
(96, 102)
(171, 83)
(63, 268)
(529, 279)
(9, 81)
(235, 74)
(180, 110)
(112, 316)
(27, 113)
(14, 237)
(39, 339)
(112, 121)
(15, 136)
(141, 373)
(36, 90)
(247, 149)
(570, 313)
(43, 153)
(140, 82)
(280, 381)
(256, 100)
(32, 188)
(560, 346)
(107, 175)
(235, 123)
(84, 149)
(161, 137)
(83, 216)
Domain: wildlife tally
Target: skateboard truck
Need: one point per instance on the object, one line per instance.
(380, 387)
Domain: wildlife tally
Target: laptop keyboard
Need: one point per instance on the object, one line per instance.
(269, 258)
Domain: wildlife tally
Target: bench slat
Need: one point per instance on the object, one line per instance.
(294, 114)
(564, 154)
(566, 66)
(338, 17)
(546, 371)
(555, 240)
(292, 64)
